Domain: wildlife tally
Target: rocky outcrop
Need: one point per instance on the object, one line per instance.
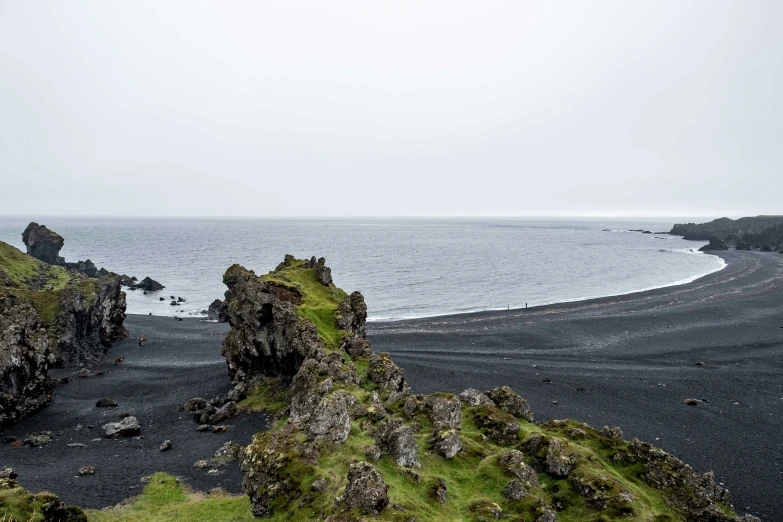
(742, 233)
(43, 244)
(348, 409)
(49, 316)
(149, 285)
(45, 507)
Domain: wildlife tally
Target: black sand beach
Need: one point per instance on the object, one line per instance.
(634, 355)
(180, 360)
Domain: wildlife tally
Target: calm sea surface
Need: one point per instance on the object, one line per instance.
(404, 267)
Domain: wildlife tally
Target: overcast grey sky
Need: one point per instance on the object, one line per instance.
(512, 108)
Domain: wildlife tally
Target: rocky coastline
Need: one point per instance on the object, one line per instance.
(764, 233)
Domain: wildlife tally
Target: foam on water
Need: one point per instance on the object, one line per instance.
(406, 268)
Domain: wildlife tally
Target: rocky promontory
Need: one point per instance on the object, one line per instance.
(49, 316)
(759, 232)
(352, 441)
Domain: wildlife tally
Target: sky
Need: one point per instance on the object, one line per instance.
(391, 108)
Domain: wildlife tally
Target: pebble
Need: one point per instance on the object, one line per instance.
(77, 445)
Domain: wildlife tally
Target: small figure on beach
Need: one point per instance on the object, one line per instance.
(525, 306)
(142, 341)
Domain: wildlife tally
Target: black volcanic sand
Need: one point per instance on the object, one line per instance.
(180, 360)
(635, 357)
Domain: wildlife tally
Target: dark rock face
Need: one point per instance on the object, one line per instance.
(758, 230)
(43, 244)
(87, 268)
(217, 311)
(150, 285)
(323, 272)
(25, 356)
(352, 315)
(88, 325)
(267, 336)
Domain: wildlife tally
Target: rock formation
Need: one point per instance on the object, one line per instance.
(352, 440)
(49, 316)
(45, 507)
(741, 233)
(715, 244)
(217, 311)
(43, 243)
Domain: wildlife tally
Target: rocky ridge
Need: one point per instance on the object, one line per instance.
(352, 441)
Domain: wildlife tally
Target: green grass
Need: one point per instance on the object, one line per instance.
(42, 284)
(165, 499)
(269, 395)
(17, 505)
(319, 303)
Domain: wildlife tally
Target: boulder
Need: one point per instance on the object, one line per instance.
(330, 420)
(515, 490)
(715, 243)
(475, 398)
(366, 490)
(388, 376)
(43, 244)
(8, 473)
(165, 445)
(224, 413)
(87, 268)
(106, 403)
(498, 425)
(439, 491)
(38, 439)
(396, 439)
(559, 461)
(443, 410)
(508, 401)
(513, 462)
(446, 443)
(126, 427)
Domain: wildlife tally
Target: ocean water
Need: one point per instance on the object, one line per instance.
(405, 268)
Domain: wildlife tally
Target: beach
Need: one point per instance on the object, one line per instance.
(627, 361)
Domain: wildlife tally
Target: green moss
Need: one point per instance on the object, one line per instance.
(165, 499)
(269, 395)
(318, 302)
(17, 505)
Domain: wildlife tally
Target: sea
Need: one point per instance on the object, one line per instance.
(406, 268)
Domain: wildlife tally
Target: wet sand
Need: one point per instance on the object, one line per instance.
(635, 356)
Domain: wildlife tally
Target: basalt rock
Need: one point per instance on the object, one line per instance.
(43, 244)
(150, 285)
(366, 489)
(322, 272)
(508, 401)
(715, 244)
(396, 439)
(388, 376)
(217, 311)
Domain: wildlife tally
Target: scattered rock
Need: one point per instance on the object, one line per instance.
(439, 491)
(224, 413)
(105, 403)
(396, 439)
(446, 443)
(513, 461)
(373, 453)
(319, 485)
(514, 490)
(508, 401)
(38, 439)
(691, 402)
(165, 445)
(443, 411)
(84, 373)
(126, 427)
(559, 461)
(8, 473)
(497, 424)
(77, 445)
(87, 470)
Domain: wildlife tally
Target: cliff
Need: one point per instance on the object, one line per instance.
(49, 315)
(352, 441)
(756, 232)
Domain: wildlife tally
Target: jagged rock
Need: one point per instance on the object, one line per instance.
(396, 439)
(475, 398)
(715, 243)
(330, 420)
(446, 443)
(410, 407)
(126, 427)
(357, 347)
(305, 391)
(87, 268)
(43, 244)
(319, 485)
(217, 311)
(149, 285)
(612, 433)
(388, 376)
(105, 403)
(366, 489)
(267, 336)
(165, 445)
(38, 439)
(559, 461)
(322, 272)
(513, 461)
(498, 425)
(8, 473)
(444, 411)
(195, 404)
(87, 470)
(508, 401)
(229, 450)
(352, 315)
